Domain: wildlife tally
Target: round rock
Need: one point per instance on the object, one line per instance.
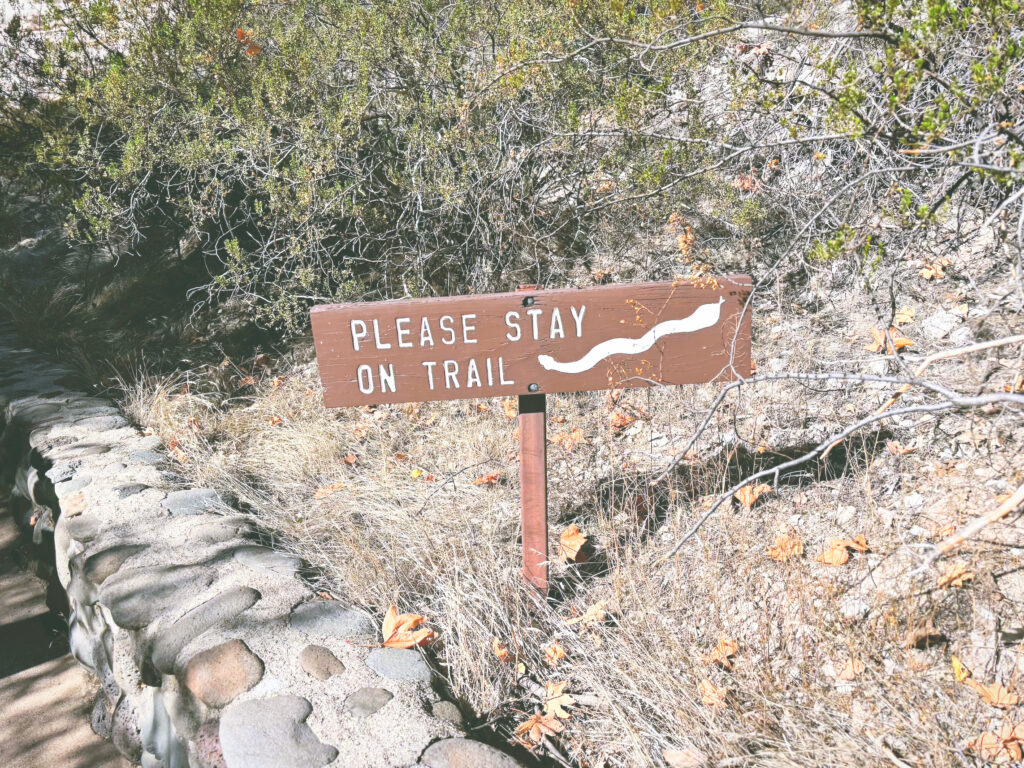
(220, 674)
(320, 662)
(271, 733)
(398, 664)
(328, 617)
(463, 753)
(366, 701)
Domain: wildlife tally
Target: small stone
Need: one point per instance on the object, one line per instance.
(463, 753)
(329, 617)
(104, 564)
(220, 674)
(939, 325)
(398, 664)
(193, 501)
(147, 457)
(271, 733)
(138, 596)
(854, 609)
(124, 491)
(366, 701)
(80, 451)
(447, 711)
(320, 662)
(68, 487)
(62, 471)
(264, 559)
(172, 639)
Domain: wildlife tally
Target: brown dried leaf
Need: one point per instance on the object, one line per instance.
(960, 672)
(570, 543)
(785, 548)
(500, 649)
(595, 614)
(994, 695)
(748, 494)
(328, 490)
(720, 655)
(400, 630)
(490, 479)
(851, 669)
(556, 700)
(684, 758)
(956, 576)
(532, 731)
(554, 653)
(898, 449)
(711, 695)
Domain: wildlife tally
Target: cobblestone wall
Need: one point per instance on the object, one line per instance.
(209, 650)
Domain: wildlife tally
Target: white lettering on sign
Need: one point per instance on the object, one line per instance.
(705, 316)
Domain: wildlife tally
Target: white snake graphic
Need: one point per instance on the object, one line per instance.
(705, 316)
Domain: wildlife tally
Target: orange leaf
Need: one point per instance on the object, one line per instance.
(570, 543)
(748, 494)
(532, 731)
(711, 695)
(554, 653)
(857, 543)
(994, 695)
(785, 548)
(500, 649)
(720, 655)
(400, 631)
(835, 554)
(568, 440)
(851, 669)
(956, 576)
(274, 420)
(511, 410)
(898, 449)
(595, 614)
(904, 315)
(350, 458)
(328, 490)
(490, 480)
(556, 700)
(621, 420)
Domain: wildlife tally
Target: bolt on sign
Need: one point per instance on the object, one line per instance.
(532, 343)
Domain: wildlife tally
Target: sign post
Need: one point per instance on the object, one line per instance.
(530, 344)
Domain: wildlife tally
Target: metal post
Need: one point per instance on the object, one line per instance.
(533, 479)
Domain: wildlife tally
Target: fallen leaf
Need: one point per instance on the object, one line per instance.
(400, 631)
(416, 474)
(835, 554)
(327, 490)
(685, 758)
(570, 543)
(489, 479)
(274, 420)
(720, 655)
(898, 449)
(904, 315)
(620, 421)
(994, 695)
(554, 653)
(276, 382)
(556, 700)
(193, 424)
(891, 344)
(956, 576)
(850, 670)
(532, 731)
(500, 649)
(511, 409)
(594, 614)
(857, 543)
(248, 381)
(175, 450)
(350, 458)
(748, 494)
(1017, 387)
(933, 270)
(960, 672)
(568, 440)
(785, 548)
(996, 748)
(711, 695)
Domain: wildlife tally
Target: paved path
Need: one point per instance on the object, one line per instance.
(45, 696)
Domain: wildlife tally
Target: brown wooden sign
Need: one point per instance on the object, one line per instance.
(543, 341)
(532, 343)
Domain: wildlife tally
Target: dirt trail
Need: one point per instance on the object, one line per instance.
(45, 696)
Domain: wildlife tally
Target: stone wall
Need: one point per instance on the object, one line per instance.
(209, 649)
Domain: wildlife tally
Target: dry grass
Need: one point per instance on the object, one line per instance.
(405, 524)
